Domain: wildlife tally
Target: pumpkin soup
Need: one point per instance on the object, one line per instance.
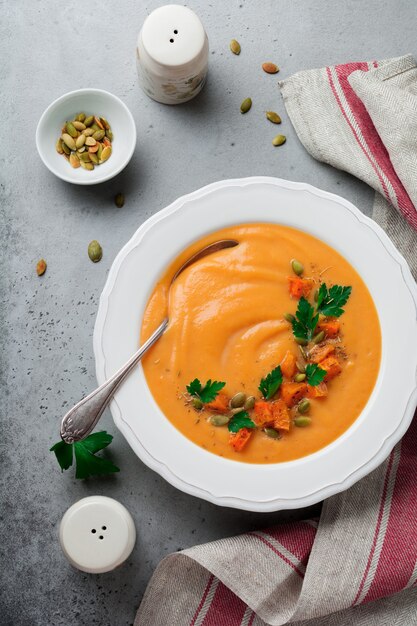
(273, 346)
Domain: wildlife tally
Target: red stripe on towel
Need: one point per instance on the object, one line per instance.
(297, 538)
(399, 551)
(377, 527)
(203, 599)
(278, 553)
(225, 608)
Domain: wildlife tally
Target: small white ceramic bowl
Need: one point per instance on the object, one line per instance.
(90, 101)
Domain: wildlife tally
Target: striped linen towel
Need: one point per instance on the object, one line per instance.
(357, 564)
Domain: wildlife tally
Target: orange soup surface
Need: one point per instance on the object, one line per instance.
(226, 323)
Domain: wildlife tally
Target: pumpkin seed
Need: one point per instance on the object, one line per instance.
(95, 126)
(98, 122)
(92, 149)
(270, 68)
(219, 420)
(93, 157)
(80, 150)
(300, 341)
(90, 141)
(299, 377)
(297, 267)
(236, 410)
(105, 123)
(105, 154)
(89, 120)
(301, 422)
(85, 156)
(58, 146)
(273, 117)
(235, 46)
(41, 267)
(119, 199)
(69, 141)
(87, 165)
(238, 400)
(88, 131)
(95, 251)
(303, 406)
(78, 125)
(80, 141)
(289, 317)
(74, 160)
(316, 295)
(246, 105)
(109, 134)
(197, 404)
(65, 148)
(250, 403)
(279, 140)
(71, 130)
(319, 337)
(98, 135)
(271, 432)
(301, 368)
(80, 117)
(99, 151)
(303, 353)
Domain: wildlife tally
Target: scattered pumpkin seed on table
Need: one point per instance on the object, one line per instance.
(273, 117)
(85, 141)
(41, 267)
(235, 46)
(246, 105)
(119, 200)
(270, 68)
(95, 251)
(279, 140)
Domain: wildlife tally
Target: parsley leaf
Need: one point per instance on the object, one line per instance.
(87, 464)
(315, 374)
(271, 383)
(305, 322)
(63, 453)
(207, 393)
(330, 301)
(240, 420)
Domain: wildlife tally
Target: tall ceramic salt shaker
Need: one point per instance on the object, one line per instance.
(172, 54)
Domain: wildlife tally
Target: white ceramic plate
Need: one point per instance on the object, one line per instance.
(298, 483)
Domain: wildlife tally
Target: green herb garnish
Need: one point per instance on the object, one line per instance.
(305, 322)
(330, 301)
(271, 383)
(87, 464)
(239, 421)
(207, 393)
(315, 374)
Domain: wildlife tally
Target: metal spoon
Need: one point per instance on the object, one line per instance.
(78, 423)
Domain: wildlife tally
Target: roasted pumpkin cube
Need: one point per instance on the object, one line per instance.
(239, 440)
(299, 286)
(281, 415)
(263, 413)
(319, 391)
(288, 365)
(332, 367)
(330, 327)
(318, 353)
(291, 393)
(220, 404)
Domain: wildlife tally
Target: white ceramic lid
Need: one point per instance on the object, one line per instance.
(97, 534)
(173, 35)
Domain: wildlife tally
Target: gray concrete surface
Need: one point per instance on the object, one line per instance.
(49, 48)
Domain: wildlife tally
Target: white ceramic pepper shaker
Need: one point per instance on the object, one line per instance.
(172, 54)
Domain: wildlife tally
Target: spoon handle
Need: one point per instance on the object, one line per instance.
(78, 423)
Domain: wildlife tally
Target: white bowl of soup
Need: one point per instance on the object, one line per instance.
(273, 385)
